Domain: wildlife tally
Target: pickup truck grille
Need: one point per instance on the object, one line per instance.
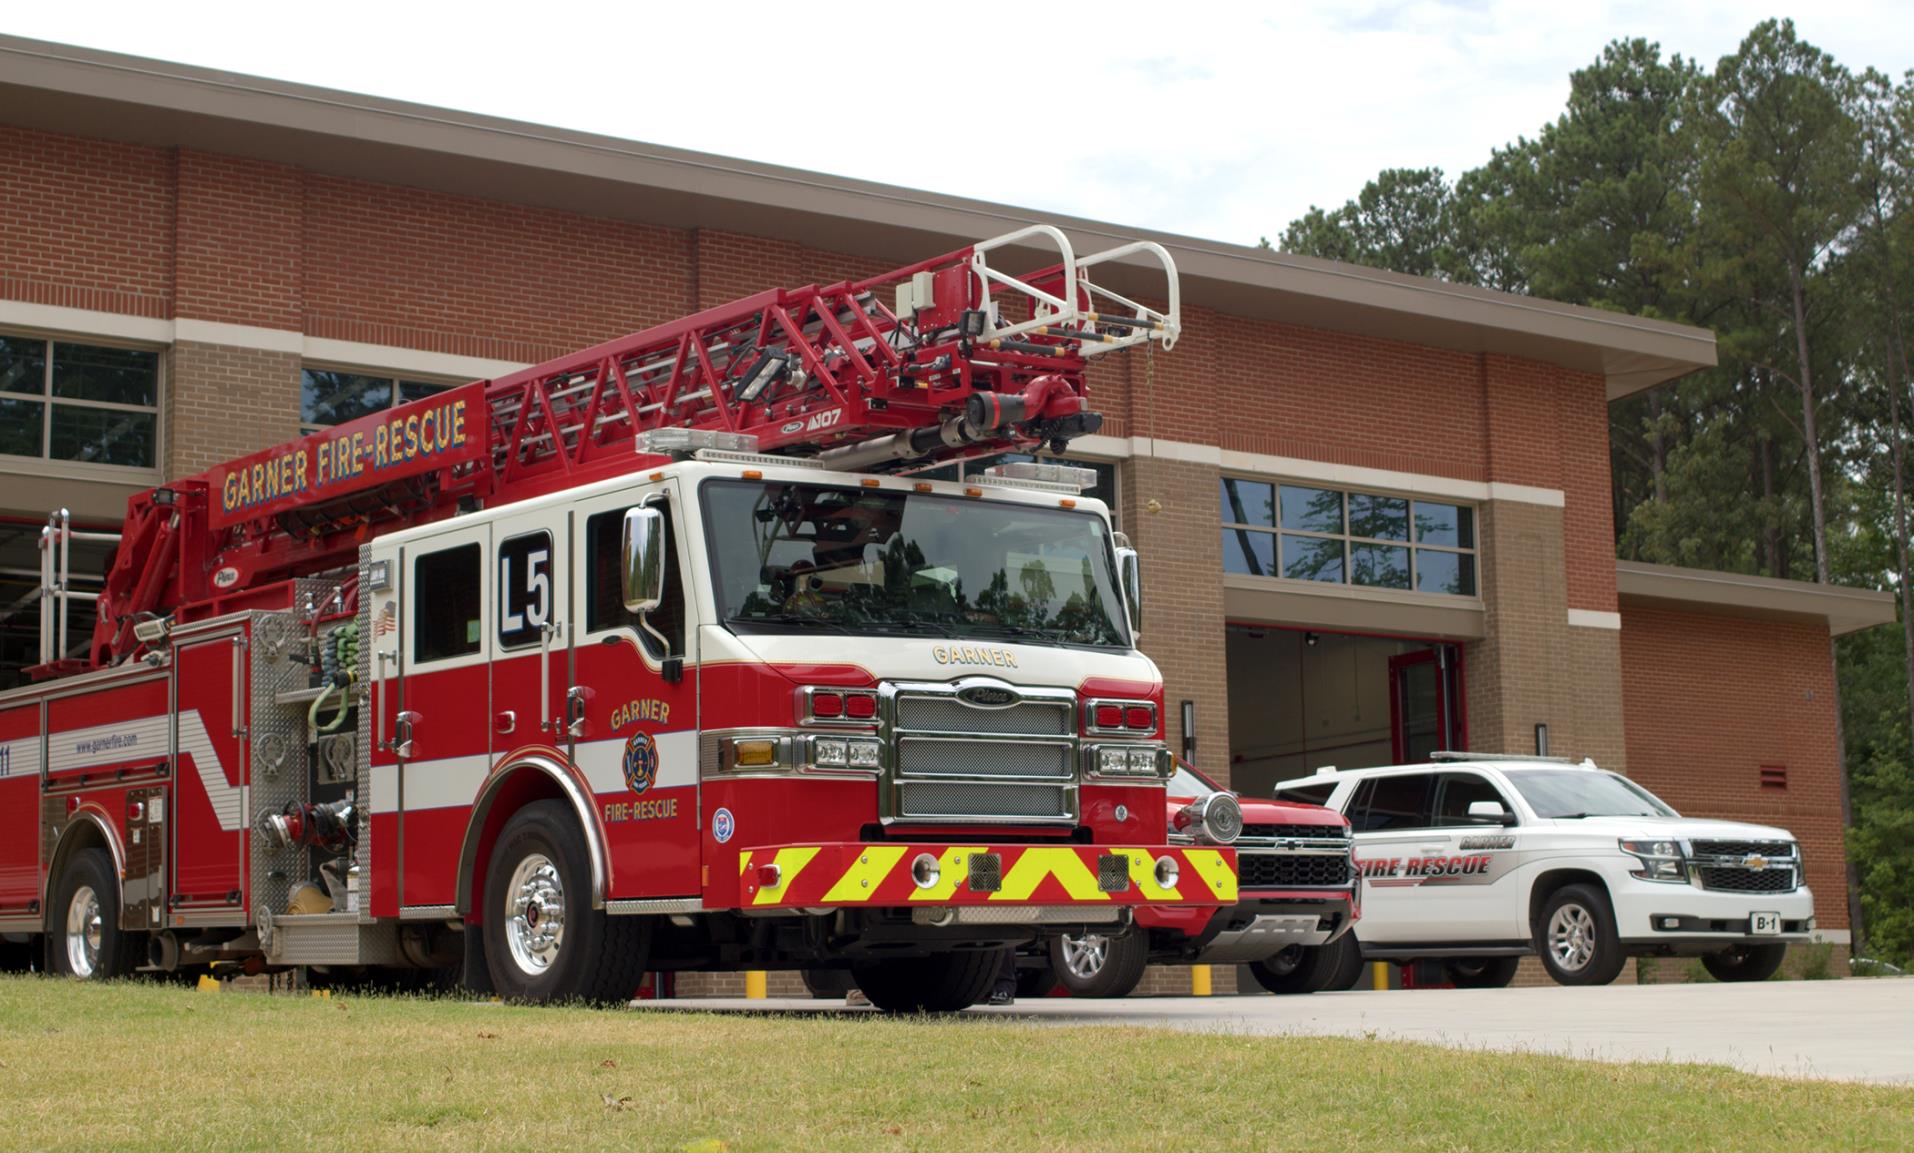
(1294, 832)
(1774, 880)
(952, 761)
(1263, 870)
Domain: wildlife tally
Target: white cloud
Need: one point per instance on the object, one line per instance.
(1223, 121)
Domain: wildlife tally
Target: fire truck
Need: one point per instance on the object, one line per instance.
(662, 656)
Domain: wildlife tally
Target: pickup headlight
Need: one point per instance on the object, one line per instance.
(1660, 860)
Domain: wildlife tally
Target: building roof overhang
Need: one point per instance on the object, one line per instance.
(1840, 609)
(60, 88)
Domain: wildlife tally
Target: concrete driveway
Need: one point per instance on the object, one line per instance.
(1853, 1030)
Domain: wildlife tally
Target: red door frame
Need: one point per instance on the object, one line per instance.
(1452, 714)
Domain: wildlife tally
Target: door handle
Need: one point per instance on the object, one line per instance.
(402, 734)
(575, 712)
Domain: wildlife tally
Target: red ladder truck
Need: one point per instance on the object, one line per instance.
(655, 657)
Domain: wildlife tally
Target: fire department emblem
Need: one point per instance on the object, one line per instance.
(641, 762)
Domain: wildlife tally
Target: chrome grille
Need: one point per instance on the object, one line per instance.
(949, 715)
(945, 800)
(931, 756)
(950, 760)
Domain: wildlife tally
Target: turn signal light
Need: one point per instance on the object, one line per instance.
(754, 753)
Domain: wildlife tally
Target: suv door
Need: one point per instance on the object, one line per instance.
(1392, 817)
(1472, 874)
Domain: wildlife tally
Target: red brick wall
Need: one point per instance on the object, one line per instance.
(240, 241)
(88, 223)
(1709, 699)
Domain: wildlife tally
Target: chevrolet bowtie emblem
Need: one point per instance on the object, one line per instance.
(1755, 863)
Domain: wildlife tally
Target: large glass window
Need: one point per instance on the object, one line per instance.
(90, 404)
(446, 604)
(1305, 532)
(855, 560)
(329, 396)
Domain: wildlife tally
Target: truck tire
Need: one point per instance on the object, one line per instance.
(17, 956)
(1034, 983)
(828, 984)
(84, 938)
(1745, 962)
(539, 875)
(940, 983)
(1350, 969)
(1304, 968)
(1575, 936)
(1100, 965)
(1483, 972)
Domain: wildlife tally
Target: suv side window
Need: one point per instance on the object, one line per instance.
(1459, 791)
(1308, 794)
(1385, 804)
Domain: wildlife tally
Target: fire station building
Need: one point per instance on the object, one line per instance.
(1374, 510)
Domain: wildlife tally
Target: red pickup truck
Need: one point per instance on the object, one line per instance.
(1298, 895)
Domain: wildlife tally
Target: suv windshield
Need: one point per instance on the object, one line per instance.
(1569, 793)
(791, 557)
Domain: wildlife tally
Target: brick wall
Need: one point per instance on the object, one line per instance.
(1710, 700)
(221, 402)
(89, 223)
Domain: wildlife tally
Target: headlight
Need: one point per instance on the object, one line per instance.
(1143, 762)
(1661, 860)
(830, 752)
(863, 754)
(1113, 759)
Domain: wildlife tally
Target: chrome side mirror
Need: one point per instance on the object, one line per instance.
(1130, 578)
(642, 552)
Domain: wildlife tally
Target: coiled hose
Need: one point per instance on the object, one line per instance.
(339, 667)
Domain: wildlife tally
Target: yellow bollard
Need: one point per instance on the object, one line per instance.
(208, 983)
(1199, 980)
(754, 984)
(1379, 977)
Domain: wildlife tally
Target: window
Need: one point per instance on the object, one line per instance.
(89, 404)
(524, 589)
(445, 604)
(329, 396)
(1384, 804)
(605, 592)
(1459, 791)
(1308, 794)
(1373, 540)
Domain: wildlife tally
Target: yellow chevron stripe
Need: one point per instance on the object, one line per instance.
(744, 862)
(790, 863)
(1036, 864)
(1215, 872)
(861, 880)
(955, 871)
(1143, 876)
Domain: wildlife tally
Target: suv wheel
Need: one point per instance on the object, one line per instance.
(1745, 962)
(1575, 935)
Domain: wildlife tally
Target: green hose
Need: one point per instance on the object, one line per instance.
(343, 667)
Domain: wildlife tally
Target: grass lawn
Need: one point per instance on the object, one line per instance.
(139, 1066)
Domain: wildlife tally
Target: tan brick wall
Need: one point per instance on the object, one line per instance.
(223, 402)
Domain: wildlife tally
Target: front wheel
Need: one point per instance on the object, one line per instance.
(543, 940)
(1575, 935)
(1483, 972)
(940, 983)
(1308, 968)
(85, 938)
(1745, 962)
(1098, 964)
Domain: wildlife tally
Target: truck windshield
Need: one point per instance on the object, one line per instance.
(803, 557)
(1570, 793)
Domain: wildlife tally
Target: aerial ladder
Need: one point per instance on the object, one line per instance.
(941, 360)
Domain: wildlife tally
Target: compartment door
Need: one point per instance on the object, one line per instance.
(208, 823)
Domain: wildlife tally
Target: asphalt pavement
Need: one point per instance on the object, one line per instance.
(1850, 1030)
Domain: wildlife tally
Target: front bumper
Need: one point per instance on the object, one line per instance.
(861, 875)
(1643, 908)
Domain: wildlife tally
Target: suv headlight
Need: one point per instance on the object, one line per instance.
(1660, 859)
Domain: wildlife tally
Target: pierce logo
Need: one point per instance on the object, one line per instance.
(226, 578)
(988, 697)
(791, 426)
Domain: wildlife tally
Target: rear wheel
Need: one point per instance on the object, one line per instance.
(1745, 962)
(1575, 935)
(1304, 968)
(543, 940)
(942, 983)
(1100, 965)
(84, 938)
(1483, 972)
(828, 984)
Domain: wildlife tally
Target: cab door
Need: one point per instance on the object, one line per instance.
(443, 699)
(1474, 876)
(1392, 818)
(634, 697)
(532, 630)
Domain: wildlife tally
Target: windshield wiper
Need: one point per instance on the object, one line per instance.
(791, 619)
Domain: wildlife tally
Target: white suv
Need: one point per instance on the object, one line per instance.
(1476, 861)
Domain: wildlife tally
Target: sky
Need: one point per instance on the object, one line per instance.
(1223, 121)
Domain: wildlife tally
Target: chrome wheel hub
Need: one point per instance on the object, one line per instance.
(535, 914)
(1571, 938)
(83, 932)
(1084, 956)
